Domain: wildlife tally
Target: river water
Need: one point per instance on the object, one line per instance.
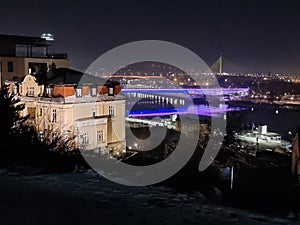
(284, 120)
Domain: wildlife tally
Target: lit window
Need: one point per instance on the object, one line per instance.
(49, 91)
(110, 91)
(31, 112)
(94, 91)
(15, 89)
(78, 92)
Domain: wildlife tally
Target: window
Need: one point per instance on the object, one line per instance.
(94, 111)
(111, 91)
(22, 50)
(37, 67)
(15, 89)
(10, 66)
(78, 92)
(30, 91)
(53, 115)
(111, 110)
(94, 91)
(49, 91)
(83, 139)
(31, 112)
(100, 137)
(41, 112)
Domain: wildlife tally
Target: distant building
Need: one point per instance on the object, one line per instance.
(20, 54)
(71, 103)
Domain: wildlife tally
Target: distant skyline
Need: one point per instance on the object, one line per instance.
(254, 36)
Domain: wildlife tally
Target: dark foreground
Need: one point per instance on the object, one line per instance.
(87, 198)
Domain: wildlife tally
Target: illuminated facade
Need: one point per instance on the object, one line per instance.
(71, 103)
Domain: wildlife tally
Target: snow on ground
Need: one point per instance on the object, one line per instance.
(87, 198)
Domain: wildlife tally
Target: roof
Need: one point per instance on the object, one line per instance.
(67, 76)
(19, 39)
(15, 46)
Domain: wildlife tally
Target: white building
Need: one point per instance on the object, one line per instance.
(72, 103)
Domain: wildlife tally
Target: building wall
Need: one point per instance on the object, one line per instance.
(61, 118)
(54, 117)
(29, 87)
(60, 63)
(92, 133)
(85, 117)
(20, 66)
(116, 122)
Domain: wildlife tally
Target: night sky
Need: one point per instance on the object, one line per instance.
(254, 35)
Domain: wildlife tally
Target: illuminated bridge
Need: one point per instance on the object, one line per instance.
(191, 91)
(157, 102)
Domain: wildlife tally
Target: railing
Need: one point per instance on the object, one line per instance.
(41, 55)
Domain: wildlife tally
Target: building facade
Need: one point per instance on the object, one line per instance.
(19, 54)
(71, 103)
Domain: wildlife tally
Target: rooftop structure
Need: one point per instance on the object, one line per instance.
(20, 54)
(27, 47)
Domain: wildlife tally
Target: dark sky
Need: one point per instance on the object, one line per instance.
(254, 35)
